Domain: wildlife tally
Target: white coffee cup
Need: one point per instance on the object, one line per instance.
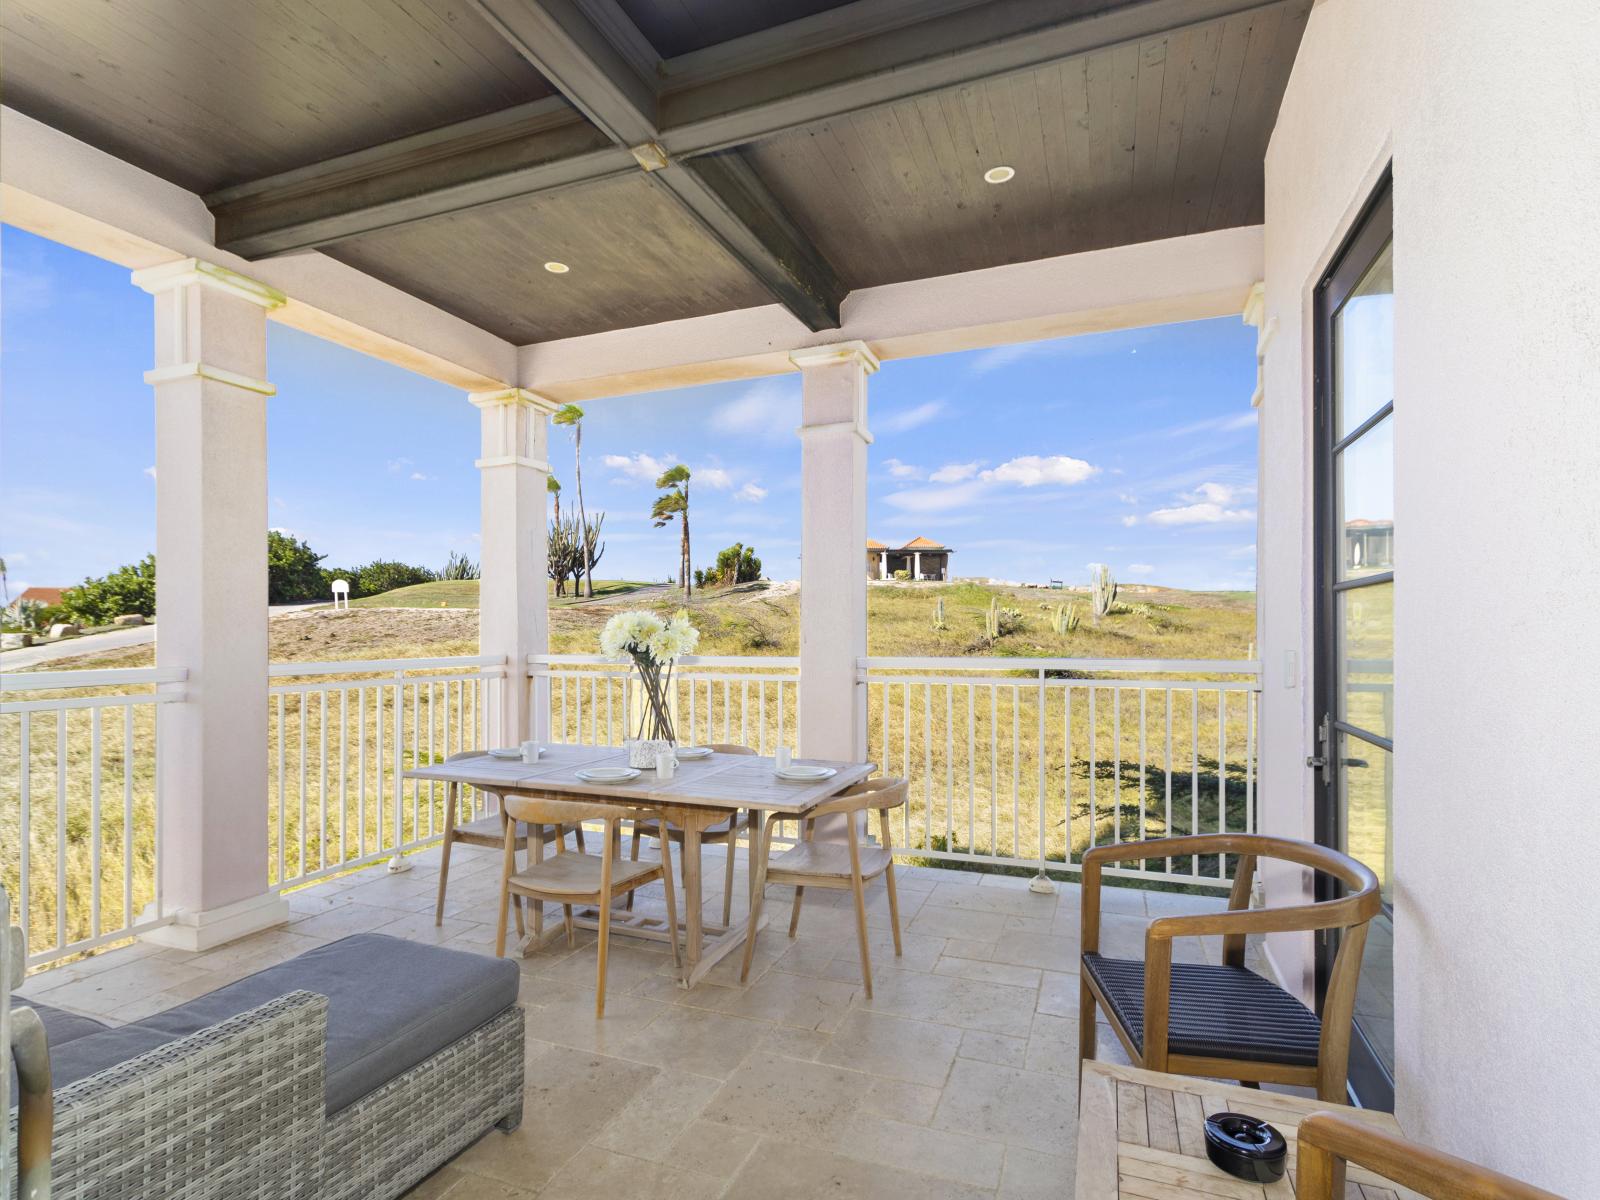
(666, 764)
(785, 757)
(531, 752)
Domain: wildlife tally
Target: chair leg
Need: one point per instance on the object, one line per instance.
(572, 939)
(672, 903)
(758, 869)
(633, 855)
(859, 892)
(536, 855)
(444, 853)
(508, 862)
(1086, 1027)
(727, 883)
(604, 908)
(794, 914)
(888, 881)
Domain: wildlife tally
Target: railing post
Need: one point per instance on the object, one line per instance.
(1042, 882)
(397, 861)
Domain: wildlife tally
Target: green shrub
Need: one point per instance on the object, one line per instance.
(129, 589)
(736, 564)
(383, 576)
(294, 575)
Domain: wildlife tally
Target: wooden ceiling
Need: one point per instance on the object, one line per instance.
(683, 157)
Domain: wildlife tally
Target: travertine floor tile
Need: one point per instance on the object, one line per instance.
(792, 1000)
(935, 921)
(1058, 993)
(596, 1174)
(785, 1171)
(942, 1153)
(695, 1040)
(948, 1000)
(712, 1149)
(993, 1047)
(662, 1109)
(1034, 949)
(1030, 1175)
(788, 1098)
(915, 1051)
(1021, 1108)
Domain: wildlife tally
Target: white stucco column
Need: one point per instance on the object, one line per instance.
(833, 528)
(883, 565)
(916, 565)
(211, 598)
(513, 603)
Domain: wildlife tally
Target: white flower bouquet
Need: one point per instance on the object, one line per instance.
(653, 646)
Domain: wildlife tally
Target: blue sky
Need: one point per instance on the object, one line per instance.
(1135, 448)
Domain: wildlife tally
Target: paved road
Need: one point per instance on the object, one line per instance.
(95, 643)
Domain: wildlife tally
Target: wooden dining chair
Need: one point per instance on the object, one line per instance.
(487, 831)
(575, 877)
(1226, 1021)
(1327, 1141)
(846, 864)
(723, 833)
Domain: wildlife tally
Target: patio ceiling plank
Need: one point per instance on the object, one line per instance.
(829, 65)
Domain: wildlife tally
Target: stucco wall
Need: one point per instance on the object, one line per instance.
(1491, 113)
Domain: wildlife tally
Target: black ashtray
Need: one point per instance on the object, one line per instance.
(1245, 1147)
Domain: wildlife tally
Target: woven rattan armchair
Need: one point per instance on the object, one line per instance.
(1226, 1021)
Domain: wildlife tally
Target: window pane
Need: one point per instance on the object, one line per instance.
(1365, 479)
(1366, 658)
(1363, 346)
(1366, 779)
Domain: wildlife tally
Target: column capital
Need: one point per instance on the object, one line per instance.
(839, 354)
(505, 397)
(187, 271)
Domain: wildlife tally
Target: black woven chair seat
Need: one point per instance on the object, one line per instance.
(1216, 1012)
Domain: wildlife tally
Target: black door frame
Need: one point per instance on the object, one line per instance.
(1370, 1084)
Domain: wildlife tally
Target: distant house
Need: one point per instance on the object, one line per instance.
(1368, 545)
(920, 558)
(35, 595)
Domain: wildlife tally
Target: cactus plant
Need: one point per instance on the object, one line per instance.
(938, 614)
(1103, 591)
(1064, 619)
(991, 619)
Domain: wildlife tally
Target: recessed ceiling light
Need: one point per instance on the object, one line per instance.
(999, 174)
(557, 268)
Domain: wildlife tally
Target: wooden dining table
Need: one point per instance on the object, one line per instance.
(700, 793)
(1141, 1136)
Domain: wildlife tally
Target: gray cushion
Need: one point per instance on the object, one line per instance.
(86, 1056)
(60, 1028)
(392, 1003)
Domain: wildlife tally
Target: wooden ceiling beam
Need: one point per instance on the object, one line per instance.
(585, 48)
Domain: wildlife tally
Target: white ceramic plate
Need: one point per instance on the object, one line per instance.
(804, 774)
(684, 752)
(507, 753)
(607, 774)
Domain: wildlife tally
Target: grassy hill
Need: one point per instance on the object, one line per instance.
(463, 593)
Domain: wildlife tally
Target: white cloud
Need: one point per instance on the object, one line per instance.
(954, 472)
(1127, 497)
(751, 493)
(1031, 470)
(1130, 519)
(1200, 514)
(420, 477)
(902, 470)
(910, 418)
(936, 499)
(1228, 424)
(1140, 568)
(1218, 493)
(397, 466)
(641, 468)
(712, 477)
(150, 471)
(769, 409)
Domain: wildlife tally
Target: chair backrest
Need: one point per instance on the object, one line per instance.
(540, 810)
(729, 748)
(882, 793)
(1328, 1140)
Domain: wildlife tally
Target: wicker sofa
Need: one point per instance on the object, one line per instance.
(350, 1071)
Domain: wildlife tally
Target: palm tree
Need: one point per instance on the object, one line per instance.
(674, 502)
(572, 416)
(553, 486)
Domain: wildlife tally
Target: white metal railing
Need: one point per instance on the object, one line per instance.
(752, 701)
(1013, 762)
(80, 813)
(1029, 762)
(340, 737)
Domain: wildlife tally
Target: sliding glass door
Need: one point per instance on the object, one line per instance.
(1355, 573)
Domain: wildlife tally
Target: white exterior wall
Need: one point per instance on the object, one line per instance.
(1492, 118)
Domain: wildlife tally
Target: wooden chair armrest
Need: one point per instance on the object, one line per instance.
(1326, 1140)
(1327, 914)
